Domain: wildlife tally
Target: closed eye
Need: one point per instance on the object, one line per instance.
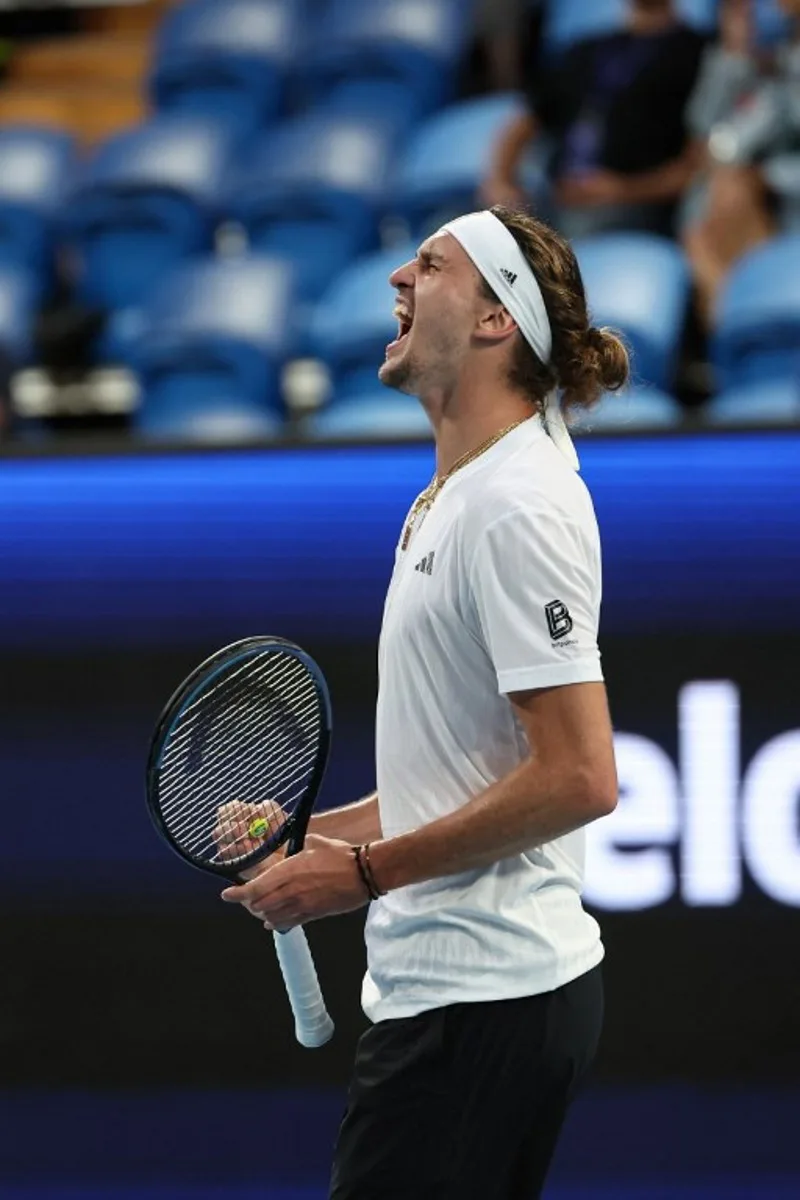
(427, 261)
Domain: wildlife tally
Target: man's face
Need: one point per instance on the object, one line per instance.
(438, 294)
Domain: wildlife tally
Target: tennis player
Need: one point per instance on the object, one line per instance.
(493, 743)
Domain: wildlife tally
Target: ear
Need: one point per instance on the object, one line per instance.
(494, 323)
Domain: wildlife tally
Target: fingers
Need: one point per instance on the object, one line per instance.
(242, 828)
(261, 892)
(283, 913)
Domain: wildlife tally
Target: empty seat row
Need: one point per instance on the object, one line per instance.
(316, 186)
(246, 63)
(251, 61)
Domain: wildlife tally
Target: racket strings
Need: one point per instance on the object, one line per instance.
(227, 723)
(250, 737)
(237, 723)
(203, 706)
(267, 726)
(245, 783)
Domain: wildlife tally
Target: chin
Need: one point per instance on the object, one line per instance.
(396, 373)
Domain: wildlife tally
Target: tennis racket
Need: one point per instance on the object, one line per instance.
(235, 766)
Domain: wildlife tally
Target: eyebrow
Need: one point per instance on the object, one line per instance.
(428, 256)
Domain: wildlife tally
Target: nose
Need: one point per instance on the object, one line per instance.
(403, 277)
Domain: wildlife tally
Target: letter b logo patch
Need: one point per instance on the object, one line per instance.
(559, 622)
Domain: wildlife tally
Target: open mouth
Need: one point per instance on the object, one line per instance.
(404, 323)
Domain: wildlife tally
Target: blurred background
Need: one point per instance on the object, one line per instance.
(200, 203)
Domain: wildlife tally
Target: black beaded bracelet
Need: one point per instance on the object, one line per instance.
(373, 895)
(363, 853)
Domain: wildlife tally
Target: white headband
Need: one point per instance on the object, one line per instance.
(498, 257)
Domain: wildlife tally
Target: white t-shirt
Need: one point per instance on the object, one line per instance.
(498, 591)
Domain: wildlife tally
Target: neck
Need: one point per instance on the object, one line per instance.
(463, 421)
(643, 22)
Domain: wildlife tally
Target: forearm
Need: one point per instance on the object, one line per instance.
(356, 823)
(666, 182)
(510, 147)
(532, 805)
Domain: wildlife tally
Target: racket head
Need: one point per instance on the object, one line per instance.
(250, 725)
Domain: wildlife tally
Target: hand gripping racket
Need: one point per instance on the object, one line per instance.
(235, 766)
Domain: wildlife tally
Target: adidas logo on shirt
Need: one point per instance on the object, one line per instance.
(509, 276)
(426, 565)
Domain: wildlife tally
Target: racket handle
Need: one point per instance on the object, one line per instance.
(312, 1024)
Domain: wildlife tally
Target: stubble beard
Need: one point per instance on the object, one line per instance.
(400, 375)
(419, 371)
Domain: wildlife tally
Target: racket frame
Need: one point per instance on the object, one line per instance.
(295, 826)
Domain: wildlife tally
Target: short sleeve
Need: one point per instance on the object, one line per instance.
(535, 585)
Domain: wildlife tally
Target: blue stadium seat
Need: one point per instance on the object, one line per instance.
(772, 24)
(758, 322)
(391, 100)
(353, 322)
(19, 296)
(36, 166)
(572, 20)
(771, 402)
(379, 413)
(417, 43)
(211, 418)
(639, 285)
(146, 201)
(313, 190)
(120, 334)
(632, 408)
(217, 328)
(227, 59)
(446, 160)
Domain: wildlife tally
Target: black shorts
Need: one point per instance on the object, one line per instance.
(466, 1102)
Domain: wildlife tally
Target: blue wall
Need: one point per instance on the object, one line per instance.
(699, 533)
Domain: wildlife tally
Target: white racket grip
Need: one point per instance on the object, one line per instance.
(313, 1025)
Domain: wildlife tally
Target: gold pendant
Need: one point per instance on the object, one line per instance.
(410, 526)
(422, 502)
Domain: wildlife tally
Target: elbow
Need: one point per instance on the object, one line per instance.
(598, 791)
(604, 801)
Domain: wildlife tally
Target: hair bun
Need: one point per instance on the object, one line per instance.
(592, 361)
(613, 360)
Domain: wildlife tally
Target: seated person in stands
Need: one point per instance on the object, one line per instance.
(746, 109)
(612, 110)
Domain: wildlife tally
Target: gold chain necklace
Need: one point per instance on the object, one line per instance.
(426, 498)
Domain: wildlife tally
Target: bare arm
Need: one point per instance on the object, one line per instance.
(667, 181)
(501, 183)
(569, 780)
(357, 823)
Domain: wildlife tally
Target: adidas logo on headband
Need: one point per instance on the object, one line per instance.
(509, 276)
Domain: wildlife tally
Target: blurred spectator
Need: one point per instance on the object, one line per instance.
(508, 34)
(745, 108)
(611, 111)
